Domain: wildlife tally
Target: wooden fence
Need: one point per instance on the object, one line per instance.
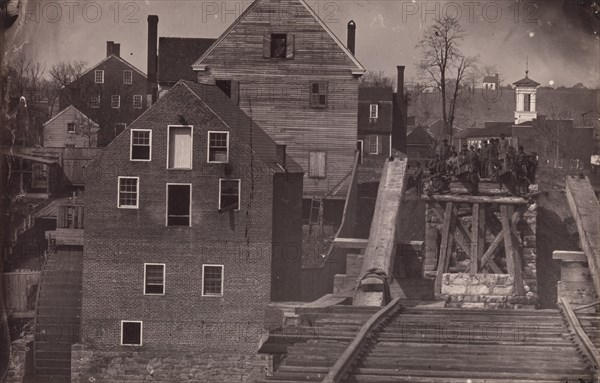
(19, 290)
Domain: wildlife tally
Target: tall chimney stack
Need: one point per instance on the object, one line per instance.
(116, 50)
(109, 48)
(399, 115)
(351, 36)
(152, 87)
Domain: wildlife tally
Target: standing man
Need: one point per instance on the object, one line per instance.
(503, 145)
(444, 150)
(485, 159)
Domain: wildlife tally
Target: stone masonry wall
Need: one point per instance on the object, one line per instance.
(16, 364)
(166, 365)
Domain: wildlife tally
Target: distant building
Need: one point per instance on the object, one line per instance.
(375, 122)
(191, 231)
(112, 93)
(70, 128)
(420, 145)
(525, 96)
(491, 82)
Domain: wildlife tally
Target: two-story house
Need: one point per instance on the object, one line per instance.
(375, 122)
(193, 225)
(112, 93)
(292, 75)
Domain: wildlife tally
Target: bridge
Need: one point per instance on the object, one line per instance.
(484, 326)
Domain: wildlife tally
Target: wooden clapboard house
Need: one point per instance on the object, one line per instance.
(286, 70)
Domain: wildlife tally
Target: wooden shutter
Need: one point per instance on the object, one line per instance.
(380, 145)
(324, 91)
(314, 96)
(322, 164)
(289, 49)
(267, 45)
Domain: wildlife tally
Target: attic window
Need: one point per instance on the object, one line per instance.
(278, 45)
(99, 77)
(374, 110)
(318, 94)
(218, 147)
(127, 77)
(70, 127)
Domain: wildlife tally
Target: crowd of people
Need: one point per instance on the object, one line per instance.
(494, 159)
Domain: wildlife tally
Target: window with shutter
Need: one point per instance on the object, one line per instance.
(180, 147)
(289, 46)
(318, 94)
(317, 164)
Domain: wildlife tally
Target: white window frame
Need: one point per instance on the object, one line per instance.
(92, 98)
(164, 285)
(371, 109)
(376, 144)
(112, 101)
(101, 73)
(141, 101)
(137, 199)
(167, 202)
(191, 145)
(141, 333)
(222, 280)
(208, 147)
(131, 145)
(125, 72)
(239, 181)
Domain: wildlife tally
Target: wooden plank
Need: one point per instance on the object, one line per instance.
(475, 226)
(517, 249)
(581, 336)
(585, 209)
(482, 231)
(474, 199)
(446, 246)
(569, 256)
(487, 256)
(507, 236)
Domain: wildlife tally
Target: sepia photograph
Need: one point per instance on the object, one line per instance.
(287, 191)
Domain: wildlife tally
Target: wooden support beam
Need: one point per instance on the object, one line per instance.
(475, 226)
(481, 231)
(507, 236)
(487, 256)
(474, 199)
(446, 245)
(461, 237)
(517, 249)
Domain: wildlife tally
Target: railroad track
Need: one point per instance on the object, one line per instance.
(434, 345)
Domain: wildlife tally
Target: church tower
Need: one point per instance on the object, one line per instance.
(525, 95)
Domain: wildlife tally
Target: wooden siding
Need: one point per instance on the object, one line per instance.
(276, 92)
(68, 237)
(57, 136)
(17, 288)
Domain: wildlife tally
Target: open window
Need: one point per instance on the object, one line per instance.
(128, 192)
(154, 278)
(180, 147)
(179, 204)
(229, 195)
(218, 147)
(278, 45)
(131, 333)
(317, 164)
(212, 280)
(318, 94)
(141, 145)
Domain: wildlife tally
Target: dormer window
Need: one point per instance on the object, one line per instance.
(374, 111)
(278, 45)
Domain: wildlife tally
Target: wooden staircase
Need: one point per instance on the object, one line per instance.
(435, 345)
(57, 319)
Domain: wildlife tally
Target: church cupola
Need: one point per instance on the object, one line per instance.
(525, 92)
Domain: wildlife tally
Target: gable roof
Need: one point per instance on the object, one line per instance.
(64, 110)
(526, 81)
(419, 136)
(359, 68)
(108, 58)
(491, 79)
(176, 56)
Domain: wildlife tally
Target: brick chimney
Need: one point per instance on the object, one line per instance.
(351, 36)
(399, 114)
(152, 87)
(110, 48)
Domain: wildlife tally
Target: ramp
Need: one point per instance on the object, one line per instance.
(586, 211)
(379, 255)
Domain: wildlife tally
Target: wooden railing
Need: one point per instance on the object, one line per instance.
(343, 365)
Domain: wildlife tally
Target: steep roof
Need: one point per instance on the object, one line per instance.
(70, 107)
(419, 136)
(359, 68)
(526, 81)
(241, 124)
(176, 56)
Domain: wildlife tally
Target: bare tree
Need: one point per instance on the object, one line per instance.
(88, 129)
(492, 70)
(62, 74)
(376, 79)
(444, 66)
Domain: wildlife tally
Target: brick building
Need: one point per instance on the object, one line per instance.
(112, 93)
(375, 121)
(192, 226)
